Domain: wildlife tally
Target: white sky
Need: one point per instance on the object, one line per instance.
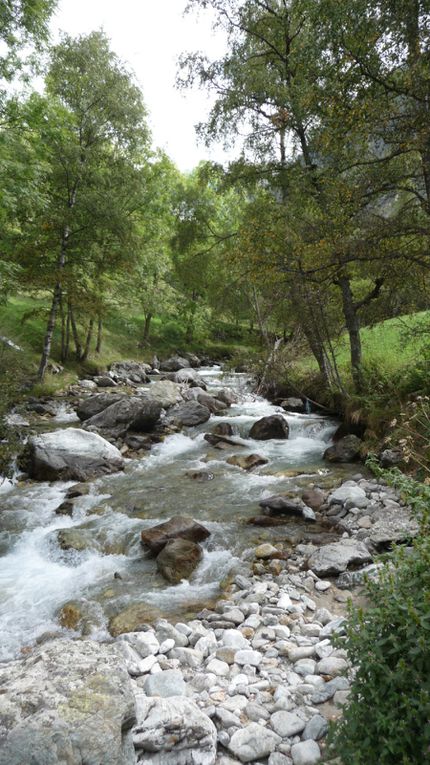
(149, 35)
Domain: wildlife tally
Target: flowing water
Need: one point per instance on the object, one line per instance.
(111, 570)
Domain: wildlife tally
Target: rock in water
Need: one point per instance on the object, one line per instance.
(166, 392)
(293, 404)
(69, 702)
(190, 413)
(178, 527)
(95, 404)
(134, 412)
(274, 426)
(178, 559)
(248, 461)
(174, 364)
(345, 450)
(173, 731)
(71, 454)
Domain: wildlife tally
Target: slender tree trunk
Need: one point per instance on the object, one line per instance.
(67, 342)
(63, 331)
(75, 333)
(146, 327)
(56, 300)
(263, 331)
(88, 341)
(352, 322)
(99, 335)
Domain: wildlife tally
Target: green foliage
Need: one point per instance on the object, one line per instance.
(387, 717)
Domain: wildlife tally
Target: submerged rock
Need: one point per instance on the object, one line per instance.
(247, 461)
(71, 454)
(178, 559)
(132, 619)
(178, 527)
(69, 702)
(274, 426)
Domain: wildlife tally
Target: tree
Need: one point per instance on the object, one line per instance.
(94, 127)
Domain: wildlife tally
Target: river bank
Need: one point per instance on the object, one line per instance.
(235, 664)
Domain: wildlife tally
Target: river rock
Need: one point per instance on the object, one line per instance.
(278, 505)
(174, 364)
(286, 724)
(69, 702)
(165, 684)
(313, 498)
(134, 412)
(130, 371)
(248, 461)
(335, 558)
(293, 404)
(214, 439)
(104, 381)
(178, 527)
(166, 392)
(354, 495)
(228, 396)
(93, 405)
(189, 413)
(71, 454)
(253, 742)
(205, 399)
(173, 731)
(188, 376)
(132, 618)
(274, 426)
(178, 559)
(222, 429)
(347, 449)
(306, 753)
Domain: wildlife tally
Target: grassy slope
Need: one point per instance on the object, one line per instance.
(23, 320)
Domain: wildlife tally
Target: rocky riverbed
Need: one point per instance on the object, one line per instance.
(253, 676)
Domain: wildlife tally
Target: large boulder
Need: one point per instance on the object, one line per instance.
(188, 376)
(178, 559)
(130, 372)
(178, 527)
(347, 449)
(133, 413)
(174, 364)
(337, 557)
(166, 392)
(293, 404)
(173, 731)
(205, 399)
(69, 703)
(274, 426)
(95, 404)
(70, 455)
(190, 413)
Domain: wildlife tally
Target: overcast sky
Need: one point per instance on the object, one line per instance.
(149, 35)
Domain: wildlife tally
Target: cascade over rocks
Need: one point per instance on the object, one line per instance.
(274, 426)
(70, 454)
(178, 527)
(69, 702)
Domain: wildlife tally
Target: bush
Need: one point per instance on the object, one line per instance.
(387, 718)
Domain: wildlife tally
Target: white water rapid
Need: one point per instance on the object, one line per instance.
(112, 571)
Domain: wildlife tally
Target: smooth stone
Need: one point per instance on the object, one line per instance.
(286, 724)
(315, 729)
(219, 668)
(165, 684)
(306, 753)
(332, 666)
(253, 742)
(253, 658)
(234, 639)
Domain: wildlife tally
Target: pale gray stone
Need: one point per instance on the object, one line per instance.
(286, 724)
(50, 702)
(253, 658)
(328, 690)
(315, 729)
(173, 731)
(165, 684)
(253, 742)
(332, 666)
(234, 639)
(336, 557)
(306, 753)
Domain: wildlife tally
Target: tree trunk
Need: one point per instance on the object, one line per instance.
(56, 300)
(99, 335)
(352, 322)
(78, 344)
(67, 342)
(89, 337)
(146, 327)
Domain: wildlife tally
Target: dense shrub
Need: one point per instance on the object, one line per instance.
(387, 718)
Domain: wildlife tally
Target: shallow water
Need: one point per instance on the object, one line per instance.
(37, 577)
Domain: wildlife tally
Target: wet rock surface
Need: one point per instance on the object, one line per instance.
(274, 426)
(71, 454)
